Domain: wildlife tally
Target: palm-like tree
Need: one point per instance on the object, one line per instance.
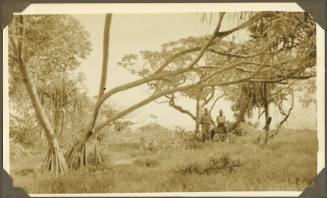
(60, 97)
(56, 161)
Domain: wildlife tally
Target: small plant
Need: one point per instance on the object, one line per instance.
(223, 164)
(193, 144)
(148, 162)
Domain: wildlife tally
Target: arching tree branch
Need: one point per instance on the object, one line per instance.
(177, 107)
(214, 103)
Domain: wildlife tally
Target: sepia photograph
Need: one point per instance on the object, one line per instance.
(163, 102)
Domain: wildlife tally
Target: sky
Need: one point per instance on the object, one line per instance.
(131, 33)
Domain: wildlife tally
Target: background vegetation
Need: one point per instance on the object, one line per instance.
(62, 140)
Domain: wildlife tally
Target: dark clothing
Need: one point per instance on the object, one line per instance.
(221, 126)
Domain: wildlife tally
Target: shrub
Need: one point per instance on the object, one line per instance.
(148, 162)
(223, 164)
(193, 144)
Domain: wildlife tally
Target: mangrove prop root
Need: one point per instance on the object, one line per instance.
(56, 162)
(77, 157)
(97, 152)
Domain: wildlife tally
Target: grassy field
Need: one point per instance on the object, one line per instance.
(286, 163)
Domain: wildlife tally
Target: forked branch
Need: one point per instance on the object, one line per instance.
(177, 107)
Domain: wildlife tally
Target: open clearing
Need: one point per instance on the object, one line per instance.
(287, 163)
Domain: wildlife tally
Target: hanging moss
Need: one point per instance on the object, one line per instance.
(251, 95)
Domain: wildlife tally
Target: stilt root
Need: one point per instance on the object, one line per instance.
(77, 156)
(98, 157)
(56, 162)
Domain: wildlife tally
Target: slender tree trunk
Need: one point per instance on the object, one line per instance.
(197, 114)
(56, 160)
(56, 121)
(62, 112)
(62, 123)
(77, 155)
(266, 107)
(214, 103)
(217, 35)
(266, 100)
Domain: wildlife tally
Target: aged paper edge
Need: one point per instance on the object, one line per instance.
(101, 8)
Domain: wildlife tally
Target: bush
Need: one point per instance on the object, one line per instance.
(223, 164)
(25, 135)
(193, 144)
(148, 162)
(16, 150)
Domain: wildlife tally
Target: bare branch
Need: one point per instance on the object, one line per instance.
(202, 50)
(284, 119)
(242, 55)
(303, 77)
(243, 25)
(207, 100)
(179, 108)
(261, 114)
(231, 67)
(156, 76)
(214, 103)
(158, 95)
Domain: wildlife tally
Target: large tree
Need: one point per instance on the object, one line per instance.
(294, 45)
(253, 73)
(277, 47)
(77, 156)
(40, 46)
(150, 61)
(250, 63)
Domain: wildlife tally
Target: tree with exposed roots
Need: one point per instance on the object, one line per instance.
(77, 156)
(205, 64)
(253, 71)
(56, 160)
(41, 46)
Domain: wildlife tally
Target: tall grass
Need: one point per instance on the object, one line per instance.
(287, 163)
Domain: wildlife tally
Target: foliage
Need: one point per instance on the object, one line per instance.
(260, 67)
(280, 50)
(291, 42)
(53, 45)
(214, 164)
(308, 91)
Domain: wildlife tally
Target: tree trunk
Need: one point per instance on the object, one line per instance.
(197, 115)
(77, 155)
(266, 100)
(62, 122)
(56, 160)
(216, 37)
(266, 107)
(56, 121)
